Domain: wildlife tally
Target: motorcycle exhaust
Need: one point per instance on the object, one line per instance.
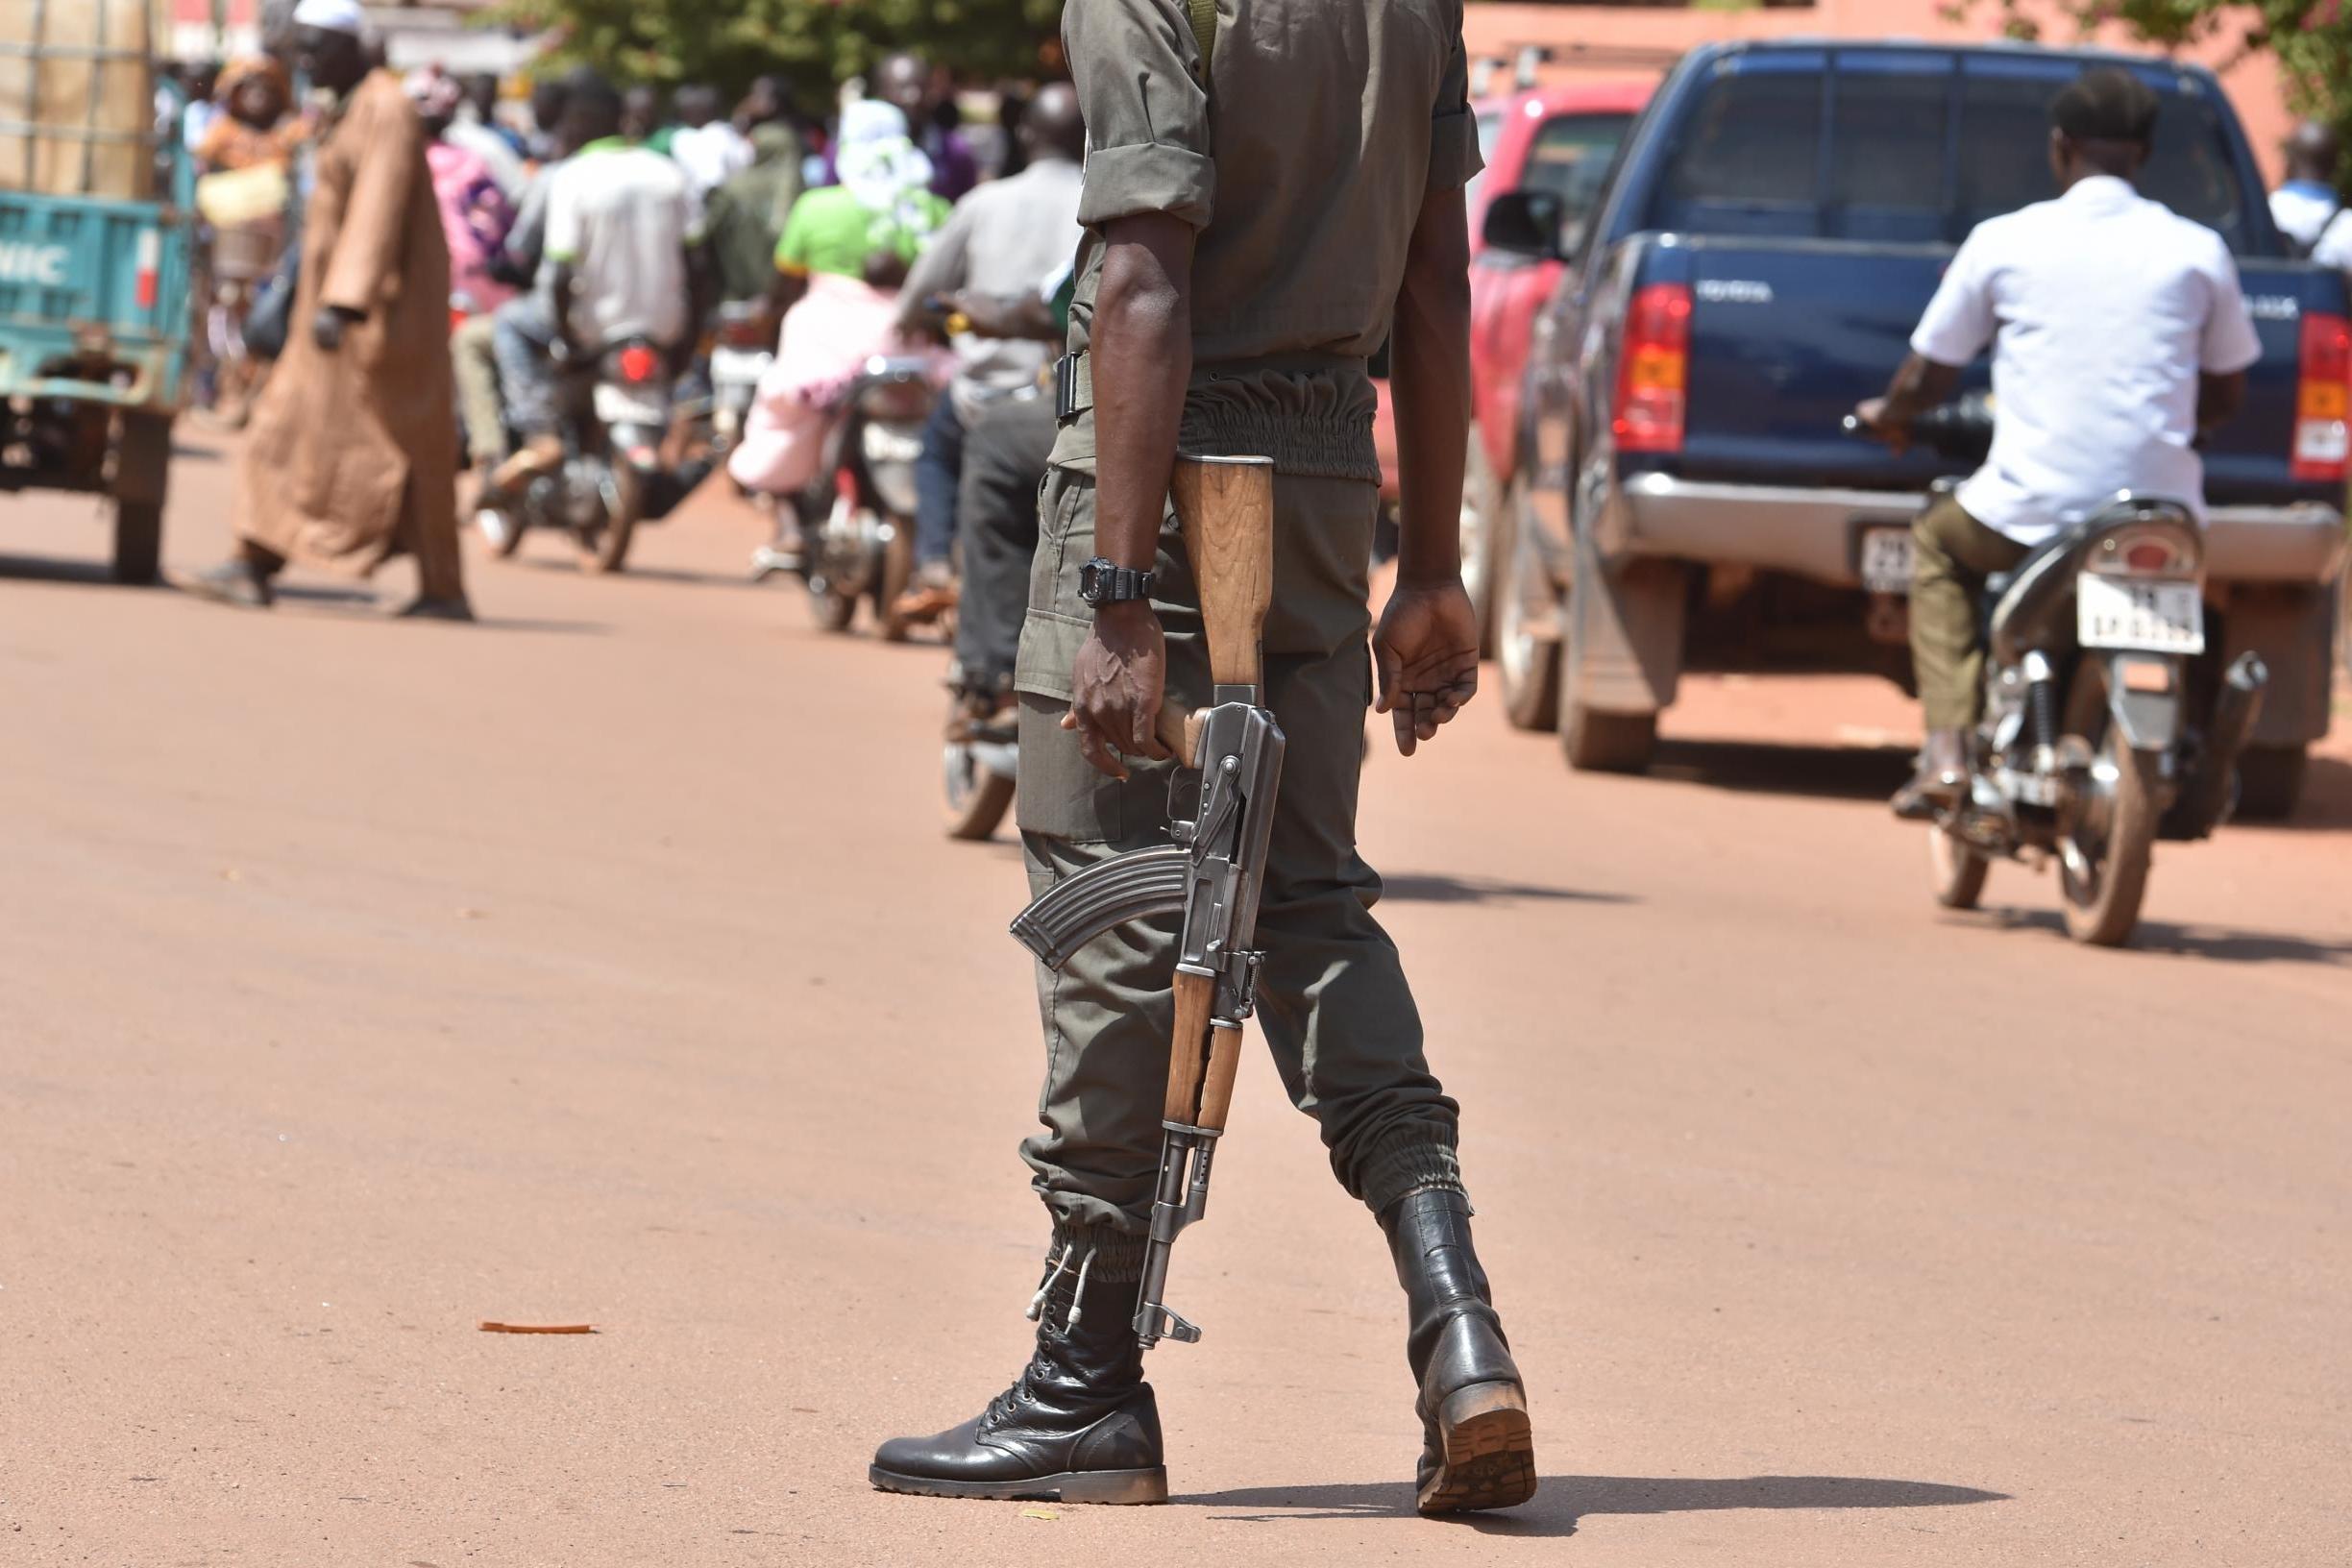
(2215, 792)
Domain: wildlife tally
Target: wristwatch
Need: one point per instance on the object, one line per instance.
(1100, 582)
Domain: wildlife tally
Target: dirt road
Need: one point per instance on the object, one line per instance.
(604, 963)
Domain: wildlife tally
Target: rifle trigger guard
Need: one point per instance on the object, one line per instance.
(1156, 1322)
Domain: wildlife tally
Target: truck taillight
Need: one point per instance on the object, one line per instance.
(1653, 374)
(2324, 420)
(146, 279)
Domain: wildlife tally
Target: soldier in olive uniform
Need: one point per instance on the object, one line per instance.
(1272, 188)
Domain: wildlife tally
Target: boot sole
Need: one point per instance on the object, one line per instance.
(1107, 1486)
(1489, 1450)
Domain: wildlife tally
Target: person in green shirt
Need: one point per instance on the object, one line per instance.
(883, 203)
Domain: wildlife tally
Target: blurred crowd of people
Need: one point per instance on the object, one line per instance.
(576, 211)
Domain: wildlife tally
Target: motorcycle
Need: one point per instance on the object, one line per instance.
(857, 521)
(2108, 722)
(613, 410)
(742, 348)
(980, 762)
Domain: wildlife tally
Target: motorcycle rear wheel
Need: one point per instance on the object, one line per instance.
(896, 572)
(502, 529)
(832, 609)
(2107, 842)
(977, 796)
(606, 549)
(1956, 869)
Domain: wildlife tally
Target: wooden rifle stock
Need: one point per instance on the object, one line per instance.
(1225, 511)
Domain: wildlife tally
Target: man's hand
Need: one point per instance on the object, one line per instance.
(1116, 687)
(1427, 653)
(1871, 413)
(328, 326)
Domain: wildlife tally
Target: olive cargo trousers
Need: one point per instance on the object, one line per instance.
(1333, 1002)
(1952, 554)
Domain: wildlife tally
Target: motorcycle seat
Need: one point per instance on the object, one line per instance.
(2031, 605)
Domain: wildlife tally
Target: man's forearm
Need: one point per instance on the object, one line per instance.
(559, 299)
(1139, 358)
(1428, 355)
(1920, 383)
(2219, 400)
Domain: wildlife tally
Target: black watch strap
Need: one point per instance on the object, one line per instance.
(1102, 582)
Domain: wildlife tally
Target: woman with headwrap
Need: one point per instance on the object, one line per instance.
(257, 125)
(884, 203)
(474, 214)
(248, 157)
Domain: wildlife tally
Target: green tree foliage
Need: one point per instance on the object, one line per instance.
(2312, 38)
(815, 42)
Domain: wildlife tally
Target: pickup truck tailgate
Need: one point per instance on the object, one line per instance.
(1787, 336)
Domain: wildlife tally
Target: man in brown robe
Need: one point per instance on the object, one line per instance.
(352, 456)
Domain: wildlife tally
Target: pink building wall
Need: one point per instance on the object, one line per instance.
(1616, 44)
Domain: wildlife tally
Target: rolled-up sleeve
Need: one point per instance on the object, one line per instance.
(1455, 158)
(1961, 320)
(2230, 342)
(1134, 65)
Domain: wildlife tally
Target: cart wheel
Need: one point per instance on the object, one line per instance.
(142, 472)
(139, 542)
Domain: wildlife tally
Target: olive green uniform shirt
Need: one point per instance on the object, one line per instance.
(1303, 172)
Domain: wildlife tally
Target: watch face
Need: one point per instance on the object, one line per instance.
(1091, 584)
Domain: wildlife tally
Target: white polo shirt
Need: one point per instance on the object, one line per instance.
(2101, 307)
(2334, 246)
(620, 218)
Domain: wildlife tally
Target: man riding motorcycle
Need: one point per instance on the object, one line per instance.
(1005, 457)
(2119, 335)
(624, 253)
(1001, 239)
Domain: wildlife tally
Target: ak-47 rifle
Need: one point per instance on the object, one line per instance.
(1215, 866)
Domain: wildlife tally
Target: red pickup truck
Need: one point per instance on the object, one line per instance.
(1558, 140)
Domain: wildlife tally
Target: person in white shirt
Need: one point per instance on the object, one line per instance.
(708, 148)
(2306, 200)
(1001, 239)
(2335, 245)
(2118, 334)
(622, 252)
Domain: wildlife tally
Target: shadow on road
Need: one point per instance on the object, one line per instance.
(1481, 890)
(2217, 942)
(1845, 772)
(570, 568)
(2326, 805)
(1560, 1501)
(81, 574)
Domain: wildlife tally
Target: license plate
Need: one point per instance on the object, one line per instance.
(739, 366)
(618, 405)
(2154, 617)
(885, 445)
(1886, 559)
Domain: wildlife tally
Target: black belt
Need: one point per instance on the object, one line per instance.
(1073, 383)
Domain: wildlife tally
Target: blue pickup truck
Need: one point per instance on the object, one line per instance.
(1775, 224)
(94, 300)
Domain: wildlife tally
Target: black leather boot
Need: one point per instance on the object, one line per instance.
(1079, 1423)
(1478, 1450)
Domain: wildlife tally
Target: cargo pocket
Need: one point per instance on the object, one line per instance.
(1060, 796)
